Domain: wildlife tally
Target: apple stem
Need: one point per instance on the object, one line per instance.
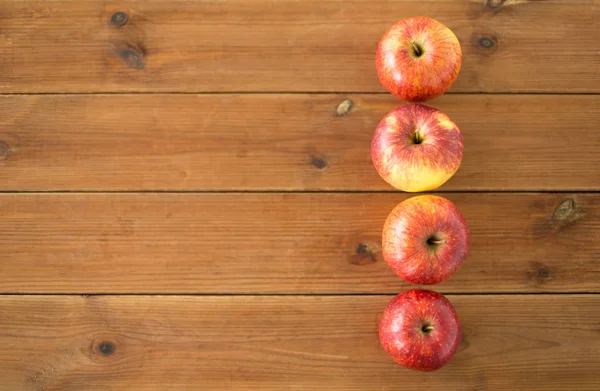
(437, 241)
(416, 49)
(417, 138)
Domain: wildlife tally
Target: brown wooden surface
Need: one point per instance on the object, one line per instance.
(283, 142)
(291, 45)
(297, 343)
(282, 243)
(264, 208)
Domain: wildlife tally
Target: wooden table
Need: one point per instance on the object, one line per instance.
(188, 201)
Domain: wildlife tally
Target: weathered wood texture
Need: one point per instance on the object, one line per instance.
(74, 343)
(282, 243)
(282, 142)
(291, 45)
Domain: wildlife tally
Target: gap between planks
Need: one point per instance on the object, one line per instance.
(258, 92)
(284, 191)
(208, 295)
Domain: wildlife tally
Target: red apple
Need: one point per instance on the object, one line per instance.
(418, 59)
(416, 148)
(425, 239)
(420, 330)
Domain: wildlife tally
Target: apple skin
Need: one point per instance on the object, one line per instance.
(420, 330)
(418, 59)
(425, 239)
(416, 148)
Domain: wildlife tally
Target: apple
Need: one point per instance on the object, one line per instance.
(416, 148)
(420, 330)
(425, 239)
(418, 59)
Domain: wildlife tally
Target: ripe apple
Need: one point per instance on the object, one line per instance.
(425, 239)
(420, 330)
(418, 59)
(416, 148)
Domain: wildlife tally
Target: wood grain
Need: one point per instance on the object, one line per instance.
(282, 243)
(72, 343)
(282, 142)
(292, 45)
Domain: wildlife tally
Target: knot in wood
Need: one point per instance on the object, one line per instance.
(544, 273)
(133, 58)
(565, 210)
(365, 254)
(344, 107)
(488, 42)
(493, 4)
(106, 348)
(119, 18)
(5, 150)
(318, 161)
(540, 274)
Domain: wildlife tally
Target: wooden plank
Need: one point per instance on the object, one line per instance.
(282, 142)
(292, 45)
(282, 243)
(71, 343)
